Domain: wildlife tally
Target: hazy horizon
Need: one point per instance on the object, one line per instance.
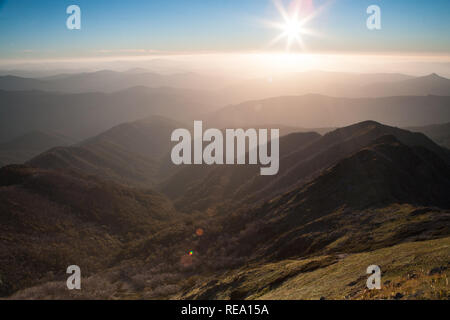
(242, 39)
(239, 65)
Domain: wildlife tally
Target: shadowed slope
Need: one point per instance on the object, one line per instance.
(128, 153)
(50, 220)
(302, 158)
(30, 145)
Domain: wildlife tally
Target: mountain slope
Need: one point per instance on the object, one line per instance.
(382, 196)
(338, 277)
(202, 186)
(50, 220)
(149, 137)
(29, 145)
(440, 133)
(308, 162)
(386, 172)
(130, 152)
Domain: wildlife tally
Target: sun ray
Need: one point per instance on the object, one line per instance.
(279, 5)
(316, 12)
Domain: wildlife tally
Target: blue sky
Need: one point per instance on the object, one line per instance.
(37, 29)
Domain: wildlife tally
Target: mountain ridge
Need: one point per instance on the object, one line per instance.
(299, 164)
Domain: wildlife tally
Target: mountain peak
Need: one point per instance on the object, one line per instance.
(434, 76)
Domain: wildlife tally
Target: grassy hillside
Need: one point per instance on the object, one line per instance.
(414, 270)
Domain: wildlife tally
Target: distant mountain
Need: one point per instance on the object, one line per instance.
(432, 84)
(312, 111)
(337, 84)
(13, 83)
(129, 153)
(310, 82)
(303, 157)
(50, 220)
(84, 115)
(29, 145)
(37, 73)
(109, 81)
(440, 133)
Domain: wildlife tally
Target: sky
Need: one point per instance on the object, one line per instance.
(37, 29)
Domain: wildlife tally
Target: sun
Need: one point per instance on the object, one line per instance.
(292, 30)
(293, 25)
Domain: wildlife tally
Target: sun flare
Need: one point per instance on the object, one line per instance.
(292, 30)
(293, 26)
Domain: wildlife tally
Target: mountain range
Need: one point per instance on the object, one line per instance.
(303, 157)
(94, 185)
(323, 111)
(108, 81)
(382, 196)
(336, 84)
(80, 116)
(355, 190)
